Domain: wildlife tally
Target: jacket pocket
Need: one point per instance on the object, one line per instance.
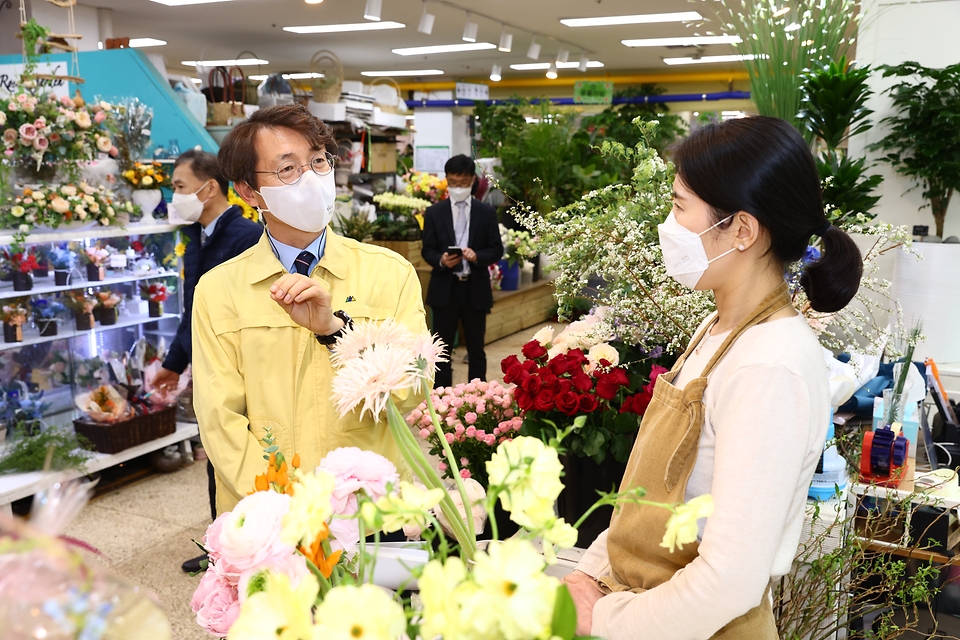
(261, 425)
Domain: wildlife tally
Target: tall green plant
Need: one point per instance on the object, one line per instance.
(616, 122)
(781, 39)
(833, 99)
(923, 139)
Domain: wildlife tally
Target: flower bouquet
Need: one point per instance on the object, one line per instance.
(20, 263)
(404, 217)
(156, 294)
(13, 316)
(64, 261)
(95, 258)
(517, 246)
(426, 186)
(82, 305)
(52, 207)
(106, 309)
(47, 315)
(273, 559)
(146, 176)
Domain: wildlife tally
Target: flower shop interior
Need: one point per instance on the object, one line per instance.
(129, 506)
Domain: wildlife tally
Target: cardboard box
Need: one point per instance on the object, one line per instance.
(383, 157)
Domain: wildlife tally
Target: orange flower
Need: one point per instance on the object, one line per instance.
(316, 555)
(271, 474)
(261, 483)
(296, 461)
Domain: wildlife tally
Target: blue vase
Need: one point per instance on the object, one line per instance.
(510, 280)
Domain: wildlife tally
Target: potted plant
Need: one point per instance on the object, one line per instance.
(106, 309)
(21, 264)
(146, 180)
(399, 223)
(47, 315)
(64, 261)
(156, 294)
(13, 316)
(95, 257)
(921, 143)
(82, 304)
(518, 246)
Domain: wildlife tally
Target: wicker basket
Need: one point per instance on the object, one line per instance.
(329, 87)
(111, 438)
(386, 107)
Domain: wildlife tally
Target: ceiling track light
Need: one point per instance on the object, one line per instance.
(562, 56)
(506, 41)
(470, 29)
(372, 10)
(534, 51)
(552, 71)
(582, 67)
(313, 1)
(426, 21)
(495, 73)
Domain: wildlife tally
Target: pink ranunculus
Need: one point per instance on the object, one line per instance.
(480, 408)
(459, 429)
(471, 431)
(250, 533)
(450, 438)
(470, 417)
(100, 117)
(451, 420)
(355, 470)
(292, 564)
(424, 433)
(442, 466)
(216, 603)
(457, 402)
(464, 473)
(28, 132)
(40, 143)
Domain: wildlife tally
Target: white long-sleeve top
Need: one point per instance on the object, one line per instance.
(766, 409)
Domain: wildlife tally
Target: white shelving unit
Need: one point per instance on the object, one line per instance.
(6, 288)
(91, 233)
(32, 336)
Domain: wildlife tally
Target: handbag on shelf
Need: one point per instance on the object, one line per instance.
(229, 111)
(329, 87)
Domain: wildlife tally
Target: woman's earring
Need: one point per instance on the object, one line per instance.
(742, 248)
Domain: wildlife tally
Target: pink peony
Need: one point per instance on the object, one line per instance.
(355, 470)
(40, 143)
(28, 132)
(216, 604)
(470, 417)
(250, 534)
(100, 117)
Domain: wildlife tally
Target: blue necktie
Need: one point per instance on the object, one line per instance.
(303, 262)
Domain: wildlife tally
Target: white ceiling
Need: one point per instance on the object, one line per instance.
(225, 29)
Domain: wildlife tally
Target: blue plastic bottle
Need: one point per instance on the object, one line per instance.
(831, 472)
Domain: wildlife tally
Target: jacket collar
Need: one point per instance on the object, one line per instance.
(264, 263)
(193, 231)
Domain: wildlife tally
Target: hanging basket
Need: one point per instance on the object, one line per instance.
(329, 87)
(388, 106)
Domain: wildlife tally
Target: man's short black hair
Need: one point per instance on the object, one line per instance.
(205, 166)
(461, 165)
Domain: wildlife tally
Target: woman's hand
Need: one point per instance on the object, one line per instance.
(307, 302)
(585, 592)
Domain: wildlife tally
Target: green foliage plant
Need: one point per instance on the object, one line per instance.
(833, 99)
(616, 122)
(923, 139)
(781, 39)
(30, 452)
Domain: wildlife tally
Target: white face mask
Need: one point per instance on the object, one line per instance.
(306, 205)
(683, 252)
(459, 194)
(188, 205)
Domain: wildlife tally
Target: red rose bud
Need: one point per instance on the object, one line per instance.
(640, 402)
(588, 403)
(559, 365)
(544, 400)
(533, 350)
(513, 374)
(509, 361)
(568, 402)
(576, 358)
(581, 382)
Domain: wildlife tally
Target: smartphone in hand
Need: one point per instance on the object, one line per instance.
(455, 251)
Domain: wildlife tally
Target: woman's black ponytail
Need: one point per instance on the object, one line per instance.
(762, 165)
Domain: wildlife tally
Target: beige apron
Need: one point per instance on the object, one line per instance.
(661, 461)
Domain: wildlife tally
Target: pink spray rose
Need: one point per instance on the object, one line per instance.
(355, 470)
(28, 132)
(100, 117)
(40, 143)
(216, 604)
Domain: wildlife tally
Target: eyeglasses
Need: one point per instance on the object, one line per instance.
(290, 173)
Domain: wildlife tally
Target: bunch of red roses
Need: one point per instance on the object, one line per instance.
(21, 261)
(571, 383)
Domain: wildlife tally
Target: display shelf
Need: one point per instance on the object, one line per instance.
(21, 485)
(32, 336)
(93, 233)
(6, 288)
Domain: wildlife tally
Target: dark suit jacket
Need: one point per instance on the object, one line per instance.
(233, 235)
(484, 239)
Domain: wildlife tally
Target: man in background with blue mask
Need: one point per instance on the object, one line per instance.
(218, 233)
(461, 238)
(264, 322)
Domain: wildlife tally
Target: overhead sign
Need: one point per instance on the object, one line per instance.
(10, 78)
(470, 91)
(592, 92)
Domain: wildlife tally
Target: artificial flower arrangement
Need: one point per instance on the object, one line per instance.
(82, 304)
(426, 186)
(50, 206)
(583, 371)
(95, 255)
(106, 309)
(41, 129)
(47, 314)
(63, 259)
(475, 417)
(146, 176)
(404, 217)
(517, 245)
(154, 292)
(20, 260)
(277, 564)
(14, 314)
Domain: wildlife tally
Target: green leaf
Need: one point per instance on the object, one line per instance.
(564, 623)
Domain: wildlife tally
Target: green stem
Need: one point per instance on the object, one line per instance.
(452, 462)
(613, 500)
(363, 552)
(324, 583)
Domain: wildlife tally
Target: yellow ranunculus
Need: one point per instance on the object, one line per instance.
(310, 508)
(278, 606)
(17, 211)
(147, 181)
(682, 526)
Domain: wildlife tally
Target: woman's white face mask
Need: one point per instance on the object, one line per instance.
(683, 253)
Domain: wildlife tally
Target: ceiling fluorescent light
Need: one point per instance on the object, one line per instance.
(584, 61)
(426, 21)
(139, 43)
(444, 48)
(686, 41)
(313, 1)
(646, 18)
(290, 76)
(562, 56)
(223, 63)
(470, 30)
(709, 59)
(410, 72)
(540, 66)
(342, 28)
(372, 10)
(552, 71)
(495, 73)
(506, 41)
(534, 51)
(181, 3)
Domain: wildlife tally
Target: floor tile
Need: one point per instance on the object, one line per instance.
(118, 535)
(179, 498)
